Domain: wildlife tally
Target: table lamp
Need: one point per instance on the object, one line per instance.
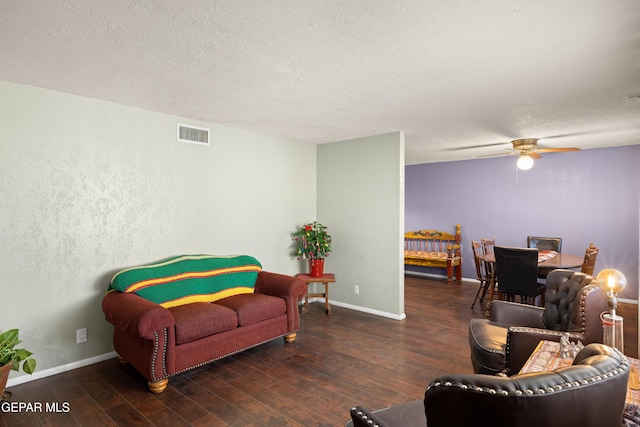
(612, 281)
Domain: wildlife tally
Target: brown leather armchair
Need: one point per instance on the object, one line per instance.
(590, 393)
(503, 343)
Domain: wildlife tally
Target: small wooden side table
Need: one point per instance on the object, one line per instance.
(324, 279)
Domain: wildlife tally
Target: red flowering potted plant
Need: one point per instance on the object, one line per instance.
(313, 243)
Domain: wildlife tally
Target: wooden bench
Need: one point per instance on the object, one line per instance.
(434, 248)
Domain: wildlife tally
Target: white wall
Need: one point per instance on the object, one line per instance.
(89, 187)
(361, 201)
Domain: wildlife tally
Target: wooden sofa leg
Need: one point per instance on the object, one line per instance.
(289, 338)
(122, 360)
(158, 386)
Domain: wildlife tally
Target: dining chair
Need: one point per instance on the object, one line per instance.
(517, 273)
(589, 262)
(482, 269)
(487, 247)
(488, 244)
(545, 243)
(490, 267)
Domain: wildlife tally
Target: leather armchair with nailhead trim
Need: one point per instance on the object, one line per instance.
(503, 343)
(590, 393)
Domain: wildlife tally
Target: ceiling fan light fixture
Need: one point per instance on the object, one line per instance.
(525, 162)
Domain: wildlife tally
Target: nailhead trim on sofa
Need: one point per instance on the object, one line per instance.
(365, 417)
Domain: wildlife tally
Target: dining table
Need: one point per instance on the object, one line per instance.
(547, 261)
(560, 260)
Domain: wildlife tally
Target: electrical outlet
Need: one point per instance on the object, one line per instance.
(81, 335)
(356, 289)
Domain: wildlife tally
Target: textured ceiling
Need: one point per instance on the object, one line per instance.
(450, 74)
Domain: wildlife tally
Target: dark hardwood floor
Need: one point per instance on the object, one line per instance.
(337, 361)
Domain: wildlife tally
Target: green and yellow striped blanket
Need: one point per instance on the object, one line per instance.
(189, 278)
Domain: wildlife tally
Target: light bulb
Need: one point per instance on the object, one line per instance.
(611, 280)
(525, 162)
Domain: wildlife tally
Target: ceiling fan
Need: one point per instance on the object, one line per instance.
(527, 149)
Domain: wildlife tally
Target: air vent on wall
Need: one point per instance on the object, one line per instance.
(193, 134)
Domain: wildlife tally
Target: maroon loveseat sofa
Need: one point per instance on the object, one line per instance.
(191, 310)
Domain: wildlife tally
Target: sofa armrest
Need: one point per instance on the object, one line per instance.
(290, 288)
(522, 341)
(280, 285)
(360, 417)
(136, 315)
(511, 313)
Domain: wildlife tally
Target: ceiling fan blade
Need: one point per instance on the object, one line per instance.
(556, 150)
(534, 155)
(499, 154)
(590, 132)
(468, 147)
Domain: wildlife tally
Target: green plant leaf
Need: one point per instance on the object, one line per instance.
(29, 366)
(9, 338)
(10, 355)
(6, 356)
(23, 354)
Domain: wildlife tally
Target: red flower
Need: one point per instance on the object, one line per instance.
(312, 241)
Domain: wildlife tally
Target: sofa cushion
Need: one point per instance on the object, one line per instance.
(201, 319)
(189, 278)
(254, 308)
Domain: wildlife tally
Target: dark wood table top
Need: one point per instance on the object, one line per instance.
(559, 261)
(563, 261)
(327, 277)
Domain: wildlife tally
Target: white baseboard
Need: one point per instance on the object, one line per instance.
(358, 308)
(420, 273)
(368, 310)
(436, 276)
(60, 369)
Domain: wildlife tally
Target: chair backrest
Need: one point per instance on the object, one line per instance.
(517, 270)
(487, 247)
(545, 243)
(589, 263)
(573, 303)
(571, 396)
(476, 248)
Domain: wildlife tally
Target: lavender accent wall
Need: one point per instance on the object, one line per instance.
(587, 196)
